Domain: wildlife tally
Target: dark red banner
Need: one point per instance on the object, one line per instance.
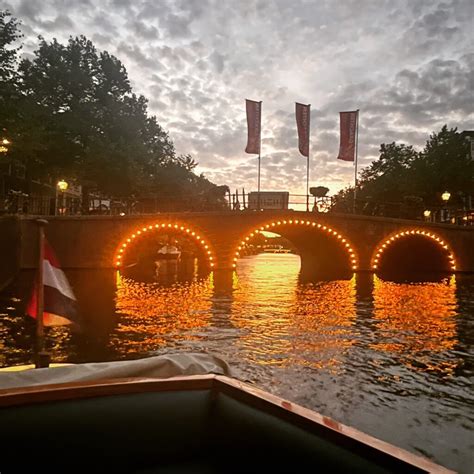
(303, 117)
(254, 121)
(347, 145)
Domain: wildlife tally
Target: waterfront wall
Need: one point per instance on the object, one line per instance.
(10, 249)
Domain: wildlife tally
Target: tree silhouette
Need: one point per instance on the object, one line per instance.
(72, 112)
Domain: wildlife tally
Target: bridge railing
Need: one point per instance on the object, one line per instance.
(23, 204)
(407, 209)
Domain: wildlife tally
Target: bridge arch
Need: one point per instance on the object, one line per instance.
(388, 243)
(276, 225)
(142, 231)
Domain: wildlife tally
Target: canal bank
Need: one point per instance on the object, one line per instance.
(10, 249)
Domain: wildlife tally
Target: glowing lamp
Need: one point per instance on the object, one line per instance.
(62, 185)
(427, 213)
(445, 196)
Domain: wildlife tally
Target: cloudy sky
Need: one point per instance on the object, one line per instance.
(406, 64)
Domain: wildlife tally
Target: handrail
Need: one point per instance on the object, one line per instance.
(167, 202)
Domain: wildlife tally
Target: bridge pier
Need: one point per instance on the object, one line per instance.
(223, 279)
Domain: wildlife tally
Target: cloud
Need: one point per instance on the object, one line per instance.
(408, 66)
(28, 10)
(142, 30)
(61, 22)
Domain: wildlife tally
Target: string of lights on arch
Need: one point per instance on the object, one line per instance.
(132, 238)
(270, 227)
(406, 233)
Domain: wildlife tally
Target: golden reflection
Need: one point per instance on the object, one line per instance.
(416, 320)
(323, 324)
(155, 315)
(284, 323)
(263, 296)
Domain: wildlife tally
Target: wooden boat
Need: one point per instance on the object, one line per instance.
(168, 252)
(191, 424)
(276, 250)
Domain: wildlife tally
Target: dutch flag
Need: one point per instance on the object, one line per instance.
(60, 306)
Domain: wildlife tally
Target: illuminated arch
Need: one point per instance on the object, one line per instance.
(272, 226)
(140, 232)
(407, 233)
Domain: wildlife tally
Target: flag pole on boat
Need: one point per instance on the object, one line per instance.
(42, 357)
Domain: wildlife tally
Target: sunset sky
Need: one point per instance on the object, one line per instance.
(407, 65)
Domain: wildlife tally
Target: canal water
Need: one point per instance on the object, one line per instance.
(394, 360)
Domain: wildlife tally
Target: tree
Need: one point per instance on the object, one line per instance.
(403, 174)
(9, 34)
(77, 116)
(389, 178)
(94, 127)
(445, 164)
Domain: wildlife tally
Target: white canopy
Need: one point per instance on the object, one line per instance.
(164, 366)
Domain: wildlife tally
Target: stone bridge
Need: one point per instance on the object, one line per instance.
(327, 243)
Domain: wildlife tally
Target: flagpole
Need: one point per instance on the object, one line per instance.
(355, 162)
(258, 186)
(307, 158)
(307, 183)
(41, 357)
(259, 157)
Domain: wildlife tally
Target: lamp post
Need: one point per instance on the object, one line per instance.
(427, 215)
(445, 197)
(61, 186)
(4, 145)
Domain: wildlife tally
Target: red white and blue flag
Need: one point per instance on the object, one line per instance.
(60, 306)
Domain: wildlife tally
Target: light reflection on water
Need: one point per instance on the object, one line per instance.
(286, 323)
(392, 359)
(153, 314)
(416, 321)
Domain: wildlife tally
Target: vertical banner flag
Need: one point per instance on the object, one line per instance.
(347, 145)
(59, 300)
(303, 115)
(254, 118)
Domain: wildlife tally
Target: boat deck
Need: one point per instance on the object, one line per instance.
(186, 424)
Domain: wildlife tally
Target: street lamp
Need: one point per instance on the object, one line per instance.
(3, 145)
(445, 197)
(427, 215)
(62, 187)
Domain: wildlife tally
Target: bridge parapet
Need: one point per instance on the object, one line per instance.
(93, 241)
